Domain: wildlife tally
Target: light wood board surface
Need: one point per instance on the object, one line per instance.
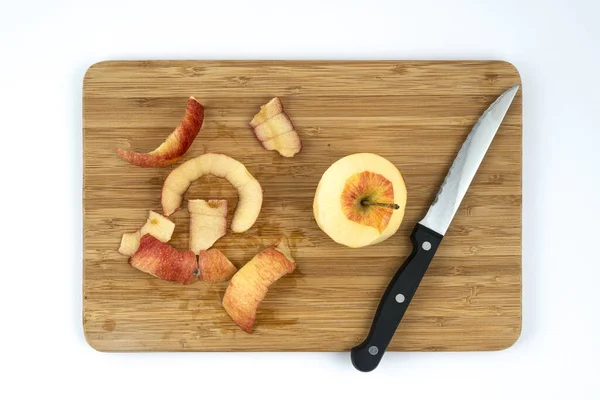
(416, 114)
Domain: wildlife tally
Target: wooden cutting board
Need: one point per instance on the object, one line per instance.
(416, 114)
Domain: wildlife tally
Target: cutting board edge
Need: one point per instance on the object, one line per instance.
(95, 344)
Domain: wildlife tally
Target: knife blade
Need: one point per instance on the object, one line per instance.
(428, 234)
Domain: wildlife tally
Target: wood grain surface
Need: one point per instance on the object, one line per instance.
(416, 114)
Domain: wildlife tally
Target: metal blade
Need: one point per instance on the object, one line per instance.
(466, 163)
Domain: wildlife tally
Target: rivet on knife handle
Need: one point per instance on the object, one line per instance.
(396, 299)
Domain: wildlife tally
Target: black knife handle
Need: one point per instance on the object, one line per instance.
(400, 291)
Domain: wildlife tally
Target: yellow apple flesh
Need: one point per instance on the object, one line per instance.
(360, 200)
(156, 225)
(208, 223)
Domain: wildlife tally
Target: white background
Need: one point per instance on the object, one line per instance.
(45, 48)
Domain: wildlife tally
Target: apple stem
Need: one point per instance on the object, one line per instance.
(388, 205)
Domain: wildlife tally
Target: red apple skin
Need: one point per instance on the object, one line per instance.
(164, 261)
(214, 266)
(176, 145)
(243, 312)
(249, 286)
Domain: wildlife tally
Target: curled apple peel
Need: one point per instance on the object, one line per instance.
(164, 261)
(176, 145)
(274, 129)
(250, 193)
(249, 286)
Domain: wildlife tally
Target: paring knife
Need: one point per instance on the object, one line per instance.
(428, 234)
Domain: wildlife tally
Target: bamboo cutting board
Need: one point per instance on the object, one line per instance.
(416, 114)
